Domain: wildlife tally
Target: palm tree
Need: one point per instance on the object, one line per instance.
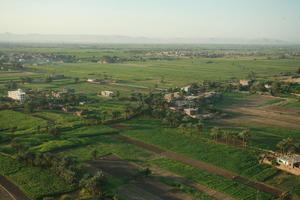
(227, 135)
(182, 128)
(94, 154)
(215, 132)
(190, 127)
(116, 115)
(245, 135)
(286, 145)
(199, 127)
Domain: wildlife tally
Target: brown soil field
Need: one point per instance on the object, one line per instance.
(269, 115)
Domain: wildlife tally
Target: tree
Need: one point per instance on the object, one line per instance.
(182, 128)
(76, 80)
(199, 126)
(215, 133)
(190, 127)
(245, 136)
(38, 129)
(116, 115)
(93, 185)
(29, 107)
(10, 85)
(298, 70)
(128, 111)
(48, 79)
(287, 145)
(227, 135)
(117, 94)
(94, 154)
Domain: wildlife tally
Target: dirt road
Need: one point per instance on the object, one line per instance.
(12, 189)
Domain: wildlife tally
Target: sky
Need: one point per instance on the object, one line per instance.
(274, 19)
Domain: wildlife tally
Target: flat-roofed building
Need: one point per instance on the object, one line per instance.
(18, 95)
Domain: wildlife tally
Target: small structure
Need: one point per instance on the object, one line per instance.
(244, 82)
(18, 95)
(107, 93)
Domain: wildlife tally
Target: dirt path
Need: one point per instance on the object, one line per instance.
(140, 189)
(4, 195)
(12, 189)
(204, 166)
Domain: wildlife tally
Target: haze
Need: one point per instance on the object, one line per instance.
(251, 19)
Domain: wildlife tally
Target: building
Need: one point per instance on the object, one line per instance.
(191, 111)
(171, 96)
(18, 95)
(107, 93)
(290, 161)
(186, 88)
(244, 82)
(268, 86)
(91, 80)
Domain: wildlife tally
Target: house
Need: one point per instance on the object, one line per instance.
(244, 82)
(268, 86)
(191, 111)
(57, 94)
(181, 103)
(171, 96)
(91, 80)
(290, 161)
(80, 113)
(18, 95)
(107, 93)
(68, 90)
(186, 88)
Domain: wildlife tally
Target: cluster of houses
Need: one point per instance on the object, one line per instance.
(178, 101)
(247, 83)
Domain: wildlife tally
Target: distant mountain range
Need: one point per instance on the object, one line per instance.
(114, 39)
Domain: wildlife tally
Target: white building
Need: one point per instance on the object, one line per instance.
(18, 95)
(244, 82)
(107, 93)
(186, 88)
(292, 161)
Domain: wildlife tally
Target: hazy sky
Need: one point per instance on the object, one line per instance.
(277, 19)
